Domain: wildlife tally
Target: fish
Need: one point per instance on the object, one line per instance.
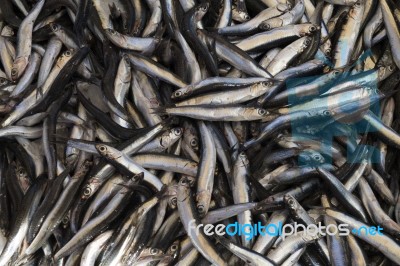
(148, 132)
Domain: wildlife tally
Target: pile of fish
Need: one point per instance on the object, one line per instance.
(132, 131)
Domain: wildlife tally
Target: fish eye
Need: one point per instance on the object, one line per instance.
(14, 72)
(203, 7)
(317, 157)
(174, 247)
(336, 72)
(261, 112)
(102, 148)
(183, 181)
(193, 143)
(327, 112)
(3, 81)
(68, 53)
(200, 208)
(153, 251)
(391, 68)
(313, 28)
(54, 27)
(267, 83)
(246, 17)
(307, 42)
(112, 31)
(178, 131)
(65, 220)
(126, 59)
(291, 202)
(87, 191)
(178, 94)
(328, 52)
(174, 201)
(265, 26)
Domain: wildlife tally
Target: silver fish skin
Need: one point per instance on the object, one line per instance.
(24, 45)
(187, 212)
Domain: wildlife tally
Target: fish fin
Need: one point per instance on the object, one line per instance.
(235, 147)
(58, 138)
(222, 240)
(163, 193)
(114, 13)
(133, 187)
(241, 6)
(39, 91)
(260, 191)
(170, 121)
(390, 93)
(137, 177)
(161, 110)
(211, 29)
(159, 32)
(95, 79)
(321, 210)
